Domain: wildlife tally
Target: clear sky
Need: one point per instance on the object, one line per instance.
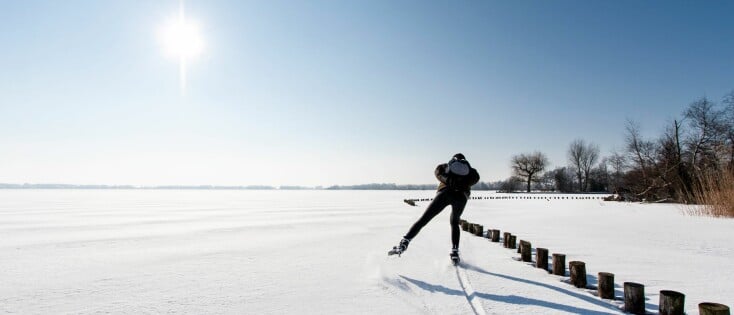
(341, 92)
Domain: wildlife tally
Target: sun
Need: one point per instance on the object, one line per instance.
(181, 40)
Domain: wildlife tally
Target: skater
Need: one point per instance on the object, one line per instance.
(456, 178)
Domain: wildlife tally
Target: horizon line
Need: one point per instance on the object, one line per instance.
(214, 187)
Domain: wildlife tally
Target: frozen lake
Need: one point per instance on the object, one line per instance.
(315, 252)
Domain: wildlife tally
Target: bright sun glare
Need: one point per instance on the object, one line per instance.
(180, 39)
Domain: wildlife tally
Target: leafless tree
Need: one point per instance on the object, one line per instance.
(575, 155)
(641, 151)
(547, 181)
(686, 162)
(563, 179)
(511, 184)
(707, 134)
(583, 157)
(671, 170)
(729, 120)
(618, 163)
(642, 157)
(528, 166)
(599, 178)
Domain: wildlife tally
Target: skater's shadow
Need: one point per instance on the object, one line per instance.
(577, 295)
(514, 299)
(433, 288)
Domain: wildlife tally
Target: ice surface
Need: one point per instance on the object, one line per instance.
(324, 252)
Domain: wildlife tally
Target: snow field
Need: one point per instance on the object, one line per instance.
(317, 252)
(653, 244)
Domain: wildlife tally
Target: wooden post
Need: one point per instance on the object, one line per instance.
(506, 239)
(479, 230)
(495, 236)
(634, 298)
(541, 258)
(606, 285)
(559, 264)
(671, 302)
(708, 308)
(526, 251)
(519, 246)
(465, 226)
(513, 241)
(578, 273)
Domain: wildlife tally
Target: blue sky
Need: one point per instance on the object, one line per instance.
(341, 92)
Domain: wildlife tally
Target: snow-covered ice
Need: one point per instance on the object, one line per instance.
(324, 252)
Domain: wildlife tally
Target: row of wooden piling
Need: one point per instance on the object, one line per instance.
(412, 201)
(541, 197)
(671, 302)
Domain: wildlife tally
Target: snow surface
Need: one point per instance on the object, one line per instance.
(324, 252)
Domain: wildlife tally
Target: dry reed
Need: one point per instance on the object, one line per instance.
(714, 194)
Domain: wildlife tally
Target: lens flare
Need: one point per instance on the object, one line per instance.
(181, 39)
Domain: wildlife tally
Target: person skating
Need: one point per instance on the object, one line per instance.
(455, 180)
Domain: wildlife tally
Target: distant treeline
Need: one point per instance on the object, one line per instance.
(382, 187)
(691, 161)
(171, 187)
(478, 186)
(374, 186)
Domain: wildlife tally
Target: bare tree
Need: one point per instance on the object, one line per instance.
(642, 161)
(677, 165)
(599, 178)
(671, 171)
(707, 134)
(575, 155)
(641, 151)
(729, 120)
(528, 166)
(583, 157)
(618, 163)
(563, 179)
(590, 159)
(511, 184)
(547, 181)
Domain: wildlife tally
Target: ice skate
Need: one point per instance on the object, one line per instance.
(400, 248)
(454, 255)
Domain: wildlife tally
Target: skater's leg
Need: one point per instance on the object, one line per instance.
(458, 202)
(439, 202)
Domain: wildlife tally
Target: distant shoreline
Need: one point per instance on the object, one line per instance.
(4, 186)
(214, 187)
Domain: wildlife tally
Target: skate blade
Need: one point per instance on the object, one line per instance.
(455, 261)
